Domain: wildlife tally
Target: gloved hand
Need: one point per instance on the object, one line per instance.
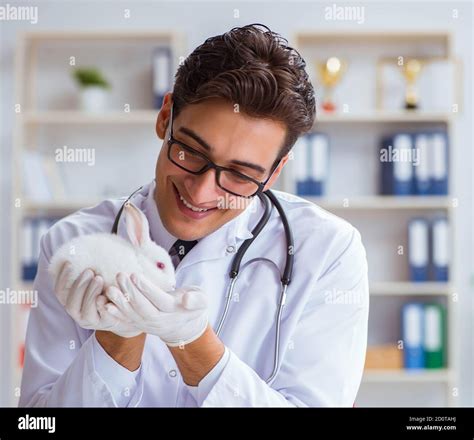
(84, 302)
(178, 318)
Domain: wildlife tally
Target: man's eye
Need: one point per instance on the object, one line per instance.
(191, 156)
(239, 179)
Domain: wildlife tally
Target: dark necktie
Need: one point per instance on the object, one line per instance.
(179, 250)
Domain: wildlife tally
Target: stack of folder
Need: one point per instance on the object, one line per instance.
(414, 164)
(428, 249)
(424, 335)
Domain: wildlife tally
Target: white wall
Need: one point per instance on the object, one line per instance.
(199, 20)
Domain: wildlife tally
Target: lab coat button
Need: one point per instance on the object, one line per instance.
(230, 249)
(172, 373)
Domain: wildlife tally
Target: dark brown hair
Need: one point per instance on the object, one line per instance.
(255, 68)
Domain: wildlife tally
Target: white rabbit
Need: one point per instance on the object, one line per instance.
(108, 254)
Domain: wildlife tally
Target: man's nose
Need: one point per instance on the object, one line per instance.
(203, 188)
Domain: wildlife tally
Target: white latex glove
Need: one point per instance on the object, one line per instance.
(178, 318)
(85, 304)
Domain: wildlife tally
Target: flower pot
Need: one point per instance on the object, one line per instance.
(93, 99)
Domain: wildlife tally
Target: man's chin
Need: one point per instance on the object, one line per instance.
(191, 229)
(183, 228)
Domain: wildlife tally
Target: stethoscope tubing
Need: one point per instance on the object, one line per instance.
(269, 200)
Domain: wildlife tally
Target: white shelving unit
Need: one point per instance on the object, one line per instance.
(41, 112)
(364, 207)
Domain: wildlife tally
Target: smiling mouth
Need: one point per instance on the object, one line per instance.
(190, 205)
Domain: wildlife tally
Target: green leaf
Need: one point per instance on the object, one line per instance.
(90, 76)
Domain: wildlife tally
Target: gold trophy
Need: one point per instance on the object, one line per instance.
(411, 71)
(330, 72)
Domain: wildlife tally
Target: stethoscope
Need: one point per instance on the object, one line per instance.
(269, 201)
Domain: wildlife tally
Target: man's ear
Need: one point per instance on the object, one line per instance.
(163, 118)
(277, 171)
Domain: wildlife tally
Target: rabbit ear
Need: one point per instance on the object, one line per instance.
(137, 225)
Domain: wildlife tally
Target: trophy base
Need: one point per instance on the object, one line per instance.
(411, 106)
(328, 106)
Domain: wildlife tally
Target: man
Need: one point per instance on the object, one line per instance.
(239, 103)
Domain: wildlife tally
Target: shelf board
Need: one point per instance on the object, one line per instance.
(312, 36)
(81, 118)
(58, 206)
(382, 202)
(383, 116)
(73, 35)
(396, 376)
(409, 288)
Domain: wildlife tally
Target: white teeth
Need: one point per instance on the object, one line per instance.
(191, 207)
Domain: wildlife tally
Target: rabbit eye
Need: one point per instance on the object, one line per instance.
(160, 265)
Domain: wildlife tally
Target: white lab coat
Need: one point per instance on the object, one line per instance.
(323, 325)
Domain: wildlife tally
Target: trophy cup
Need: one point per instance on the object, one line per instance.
(411, 71)
(330, 72)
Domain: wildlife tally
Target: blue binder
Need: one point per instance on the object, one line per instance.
(439, 164)
(421, 166)
(28, 261)
(413, 329)
(162, 73)
(396, 166)
(33, 229)
(318, 161)
(386, 186)
(418, 249)
(300, 151)
(312, 164)
(440, 249)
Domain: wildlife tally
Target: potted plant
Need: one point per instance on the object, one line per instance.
(94, 89)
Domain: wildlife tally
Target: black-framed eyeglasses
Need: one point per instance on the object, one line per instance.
(195, 162)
